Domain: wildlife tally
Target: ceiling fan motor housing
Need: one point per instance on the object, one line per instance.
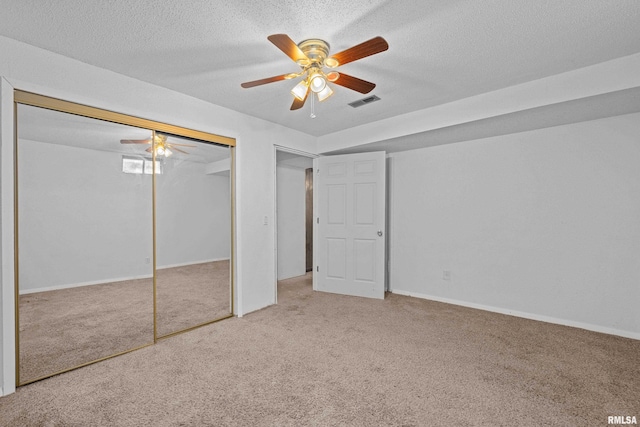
(315, 49)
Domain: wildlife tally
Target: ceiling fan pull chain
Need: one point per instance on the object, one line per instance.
(313, 108)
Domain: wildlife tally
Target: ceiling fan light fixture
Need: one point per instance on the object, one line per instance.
(300, 90)
(163, 150)
(325, 93)
(317, 83)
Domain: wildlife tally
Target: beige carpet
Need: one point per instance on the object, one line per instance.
(322, 360)
(65, 328)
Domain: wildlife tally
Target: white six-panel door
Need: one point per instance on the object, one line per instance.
(349, 224)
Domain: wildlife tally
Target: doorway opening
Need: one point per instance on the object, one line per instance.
(294, 214)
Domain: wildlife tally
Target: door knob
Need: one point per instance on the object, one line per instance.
(380, 233)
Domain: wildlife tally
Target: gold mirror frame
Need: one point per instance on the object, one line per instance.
(36, 100)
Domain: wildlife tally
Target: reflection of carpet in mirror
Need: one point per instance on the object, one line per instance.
(185, 297)
(62, 329)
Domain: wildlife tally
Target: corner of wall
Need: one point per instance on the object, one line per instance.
(7, 319)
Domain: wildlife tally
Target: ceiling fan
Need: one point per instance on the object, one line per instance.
(312, 56)
(162, 147)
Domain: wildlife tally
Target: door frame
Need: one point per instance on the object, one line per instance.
(299, 153)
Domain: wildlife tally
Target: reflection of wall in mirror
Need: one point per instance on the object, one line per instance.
(84, 221)
(193, 214)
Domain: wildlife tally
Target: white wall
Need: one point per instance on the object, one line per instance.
(255, 200)
(291, 193)
(7, 317)
(542, 224)
(28, 68)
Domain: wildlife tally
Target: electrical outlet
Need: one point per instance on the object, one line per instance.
(446, 275)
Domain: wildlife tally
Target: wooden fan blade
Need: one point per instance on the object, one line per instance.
(135, 141)
(368, 48)
(149, 150)
(264, 81)
(297, 104)
(288, 46)
(171, 147)
(354, 83)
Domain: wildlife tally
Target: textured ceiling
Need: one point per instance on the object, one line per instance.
(440, 51)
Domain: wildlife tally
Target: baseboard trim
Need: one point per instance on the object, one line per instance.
(184, 264)
(118, 279)
(77, 285)
(524, 315)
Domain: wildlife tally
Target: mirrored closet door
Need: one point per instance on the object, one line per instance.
(84, 241)
(123, 233)
(193, 233)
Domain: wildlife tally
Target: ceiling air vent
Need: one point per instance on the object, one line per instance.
(364, 101)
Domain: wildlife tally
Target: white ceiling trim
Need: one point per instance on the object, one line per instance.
(607, 77)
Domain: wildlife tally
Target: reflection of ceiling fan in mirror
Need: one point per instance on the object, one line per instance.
(162, 147)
